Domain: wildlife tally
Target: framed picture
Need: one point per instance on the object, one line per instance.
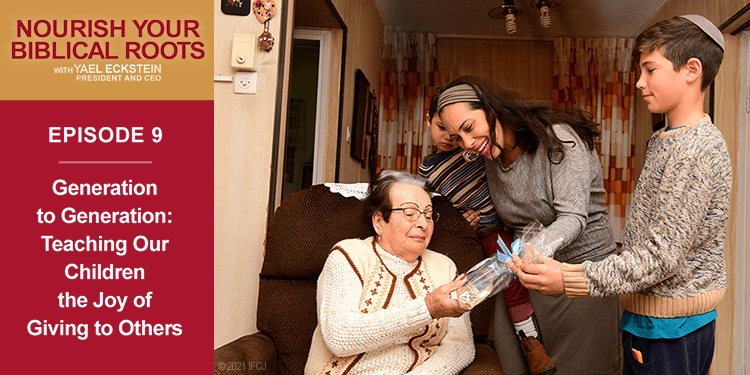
(372, 112)
(360, 117)
(235, 7)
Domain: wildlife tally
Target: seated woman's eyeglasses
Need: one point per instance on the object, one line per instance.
(412, 214)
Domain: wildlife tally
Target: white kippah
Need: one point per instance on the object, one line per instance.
(708, 27)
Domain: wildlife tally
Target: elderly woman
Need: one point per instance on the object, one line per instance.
(384, 303)
(542, 165)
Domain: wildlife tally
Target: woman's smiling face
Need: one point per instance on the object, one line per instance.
(471, 130)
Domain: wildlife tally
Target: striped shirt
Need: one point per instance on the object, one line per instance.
(463, 182)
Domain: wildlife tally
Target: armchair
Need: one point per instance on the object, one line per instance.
(301, 233)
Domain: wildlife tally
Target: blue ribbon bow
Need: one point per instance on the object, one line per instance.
(505, 255)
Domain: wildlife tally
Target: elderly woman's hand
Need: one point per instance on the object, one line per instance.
(441, 305)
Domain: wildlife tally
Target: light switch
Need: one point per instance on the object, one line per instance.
(245, 82)
(243, 52)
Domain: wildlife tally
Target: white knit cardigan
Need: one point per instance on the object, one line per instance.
(372, 318)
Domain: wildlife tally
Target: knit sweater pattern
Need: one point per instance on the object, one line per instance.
(672, 264)
(373, 318)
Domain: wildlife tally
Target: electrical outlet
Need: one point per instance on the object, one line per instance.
(245, 82)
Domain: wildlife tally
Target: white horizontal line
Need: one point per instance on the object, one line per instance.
(105, 162)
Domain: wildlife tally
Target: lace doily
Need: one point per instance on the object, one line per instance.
(357, 190)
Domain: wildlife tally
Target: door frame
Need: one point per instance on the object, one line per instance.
(742, 266)
(335, 89)
(324, 38)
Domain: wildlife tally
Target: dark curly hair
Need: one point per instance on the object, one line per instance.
(531, 123)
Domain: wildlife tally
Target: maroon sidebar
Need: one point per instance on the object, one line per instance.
(107, 218)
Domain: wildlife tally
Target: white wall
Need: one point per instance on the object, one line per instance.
(243, 139)
(742, 279)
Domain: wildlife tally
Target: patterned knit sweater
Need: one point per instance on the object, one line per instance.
(672, 263)
(372, 317)
(463, 182)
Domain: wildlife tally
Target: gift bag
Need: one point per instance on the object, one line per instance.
(492, 275)
(534, 244)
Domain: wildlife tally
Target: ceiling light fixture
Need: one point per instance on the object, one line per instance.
(509, 11)
(543, 6)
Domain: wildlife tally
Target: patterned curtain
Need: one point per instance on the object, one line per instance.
(598, 75)
(408, 76)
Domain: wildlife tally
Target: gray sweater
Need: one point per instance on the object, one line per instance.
(672, 263)
(566, 197)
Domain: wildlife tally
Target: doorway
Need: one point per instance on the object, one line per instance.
(306, 114)
(318, 30)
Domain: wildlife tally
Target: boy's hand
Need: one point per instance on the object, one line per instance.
(546, 278)
(472, 217)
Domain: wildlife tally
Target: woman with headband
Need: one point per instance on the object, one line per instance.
(541, 165)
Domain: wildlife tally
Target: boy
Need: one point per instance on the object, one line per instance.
(671, 274)
(459, 176)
